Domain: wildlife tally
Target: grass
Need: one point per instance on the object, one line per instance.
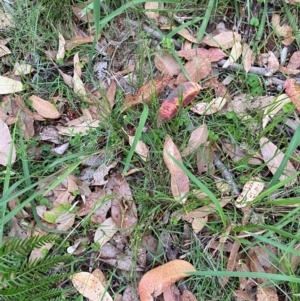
(158, 213)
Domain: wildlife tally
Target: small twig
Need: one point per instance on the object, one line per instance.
(154, 33)
(255, 70)
(228, 176)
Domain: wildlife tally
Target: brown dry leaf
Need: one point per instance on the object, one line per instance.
(43, 107)
(251, 190)
(105, 232)
(199, 223)
(273, 63)
(111, 93)
(197, 69)
(101, 173)
(9, 85)
(198, 137)
(188, 296)
(265, 293)
(212, 54)
(154, 282)
(244, 296)
(183, 32)
(78, 40)
(234, 55)
(204, 108)
(284, 31)
(182, 95)
(154, 15)
(4, 50)
(292, 89)
(61, 47)
(232, 261)
(67, 78)
(171, 293)
(224, 40)
(166, 64)
(144, 94)
(205, 157)
(179, 180)
(288, 71)
(206, 210)
(273, 158)
(90, 287)
(141, 148)
(247, 55)
(21, 104)
(7, 146)
(294, 62)
(78, 87)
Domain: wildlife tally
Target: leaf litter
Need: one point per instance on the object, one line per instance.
(102, 195)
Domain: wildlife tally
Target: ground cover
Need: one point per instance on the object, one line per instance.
(149, 150)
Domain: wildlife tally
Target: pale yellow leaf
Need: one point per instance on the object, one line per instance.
(198, 137)
(22, 69)
(141, 148)
(224, 40)
(61, 47)
(247, 54)
(204, 108)
(43, 107)
(6, 145)
(251, 190)
(90, 287)
(234, 55)
(105, 231)
(4, 50)
(179, 180)
(9, 85)
(273, 158)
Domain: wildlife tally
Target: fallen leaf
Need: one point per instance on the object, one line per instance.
(22, 69)
(61, 47)
(144, 94)
(111, 93)
(284, 31)
(9, 85)
(179, 180)
(232, 261)
(154, 282)
(182, 32)
(265, 293)
(273, 158)
(198, 137)
(6, 20)
(6, 145)
(234, 55)
(154, 15)
(105, 231)
(182, 95)
(167, 64)
(197, 69)
(171, 293)
(67, 78)
(212, 54)
(247, 55)
(82, 128)
(294, 62)
(199, 223)
(224, 40)
(205, 157)
(78, 40)
(251, 190)
(101, 173)
(288, 71)
(43, 107)
(204, 108)
(141, 148)
(4, 50)
(90, 287)
(292, 89)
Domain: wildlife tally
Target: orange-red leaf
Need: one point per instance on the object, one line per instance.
(182, 95)
(212, 54)
(292, 89)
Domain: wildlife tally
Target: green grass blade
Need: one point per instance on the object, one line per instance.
(136, 137)
(202, 30)
(201, 186)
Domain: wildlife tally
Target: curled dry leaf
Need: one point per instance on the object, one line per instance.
(179, 180)
(197, 69)
(90, 287)
(292, 89)
(43, 107)
(212, 54)
(235, 53)
(141, 148)
(273, 158)
(154, 282)
(9, 85)
(224, 40)
(144, 94)
(183, 94)
(166, 64)
(251, 190)
(61, 47)
(6, 145)
(198, 137)
(204, 108)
